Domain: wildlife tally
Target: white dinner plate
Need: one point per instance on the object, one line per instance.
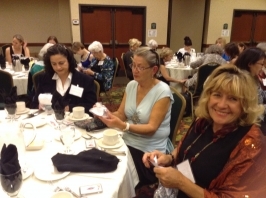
(22, 112)
(77, 135)
(37, 122)
(102, 145)
(86, 116)
(46, 173)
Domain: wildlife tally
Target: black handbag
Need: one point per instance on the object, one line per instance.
(91, 125)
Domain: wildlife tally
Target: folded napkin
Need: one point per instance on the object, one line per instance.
(25, 62)
(179, 56)
(45, 99)
(9, 160)
(59, 102)
(92, 160)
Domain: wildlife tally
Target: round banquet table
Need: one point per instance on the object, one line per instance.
(117, 184)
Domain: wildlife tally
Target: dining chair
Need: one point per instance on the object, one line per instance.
(204, 72)
(3, 49)
(97, 86)
(177, 111)
(123, 63)
(35, 79)
(6, 83)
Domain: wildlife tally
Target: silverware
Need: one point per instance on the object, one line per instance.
(30, 115)
(72, 192)
(113, 152)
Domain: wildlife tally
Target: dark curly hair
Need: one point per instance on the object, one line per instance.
(62, 50)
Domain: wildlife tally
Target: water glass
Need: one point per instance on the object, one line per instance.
(67, 135)
(11, 111)
(11, 183)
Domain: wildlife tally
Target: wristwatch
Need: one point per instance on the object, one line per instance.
(127, 127)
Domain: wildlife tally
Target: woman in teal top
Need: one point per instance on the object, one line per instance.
(145, 112)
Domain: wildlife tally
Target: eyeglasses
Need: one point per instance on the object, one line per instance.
(133, 66)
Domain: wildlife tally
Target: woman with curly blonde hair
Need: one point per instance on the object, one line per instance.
(224, 146)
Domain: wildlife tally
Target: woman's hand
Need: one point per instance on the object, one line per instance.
(169, 177)
(111, 120)
(25, 45)
(162, 159)
(67, 108)
(88, 71)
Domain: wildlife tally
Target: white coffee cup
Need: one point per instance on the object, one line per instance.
(78, 112)
(21, 106)
(110, 137)
(62, 194)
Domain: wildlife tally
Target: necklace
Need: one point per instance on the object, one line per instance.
(192, 159)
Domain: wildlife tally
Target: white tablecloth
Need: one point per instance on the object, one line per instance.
(20, 79)
(179, 73)
(117, 184)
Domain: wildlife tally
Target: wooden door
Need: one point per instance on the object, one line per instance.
(249, 27)
(112, 26)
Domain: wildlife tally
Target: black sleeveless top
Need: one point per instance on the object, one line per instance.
(12, 52)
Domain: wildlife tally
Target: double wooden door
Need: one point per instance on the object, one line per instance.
(249, 27)
(112, 26)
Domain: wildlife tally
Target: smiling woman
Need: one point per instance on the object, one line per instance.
(224, 146)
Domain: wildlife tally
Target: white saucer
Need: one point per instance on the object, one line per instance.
(117, 145)
(37, 122)
(86, 116)
(22, 112)
(45, 173)
(77, 135)
(27, 172)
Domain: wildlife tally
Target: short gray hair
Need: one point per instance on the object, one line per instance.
(95, 46)
(44, 50)
(148, 55)
(214, 49)
(262, 46)
(152, 44)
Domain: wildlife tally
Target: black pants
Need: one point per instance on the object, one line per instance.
(146, 175)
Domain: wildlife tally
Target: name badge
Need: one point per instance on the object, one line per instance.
(76, 90)
(264, 81)
(100, 63)
(185, 168)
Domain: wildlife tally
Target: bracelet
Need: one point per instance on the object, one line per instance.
(127, 127)
(173, 160)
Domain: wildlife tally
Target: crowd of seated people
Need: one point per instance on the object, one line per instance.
(225, 108)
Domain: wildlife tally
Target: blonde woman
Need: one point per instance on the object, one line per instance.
(133, 46)
(165, 56)
(225, 147)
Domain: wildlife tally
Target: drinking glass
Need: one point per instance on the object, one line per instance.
(11, 183)
(3, 66)
(67, 135)
(59, 116)
(11, 111)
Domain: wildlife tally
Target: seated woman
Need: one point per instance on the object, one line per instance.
(101, 68)
(166, 55)
(36, 67)
(212, 55)
(19, 48)
(232, 51)
(252, 60)
(85, 55)
(153, 44)
(262, 73)
(133, 46)
(224, 146)
(222, 42)
(144, 113)
(52, 39)
(187, 47)
(61, 76)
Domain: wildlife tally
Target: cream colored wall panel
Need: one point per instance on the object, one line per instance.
(156, 12)
(221, 11)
